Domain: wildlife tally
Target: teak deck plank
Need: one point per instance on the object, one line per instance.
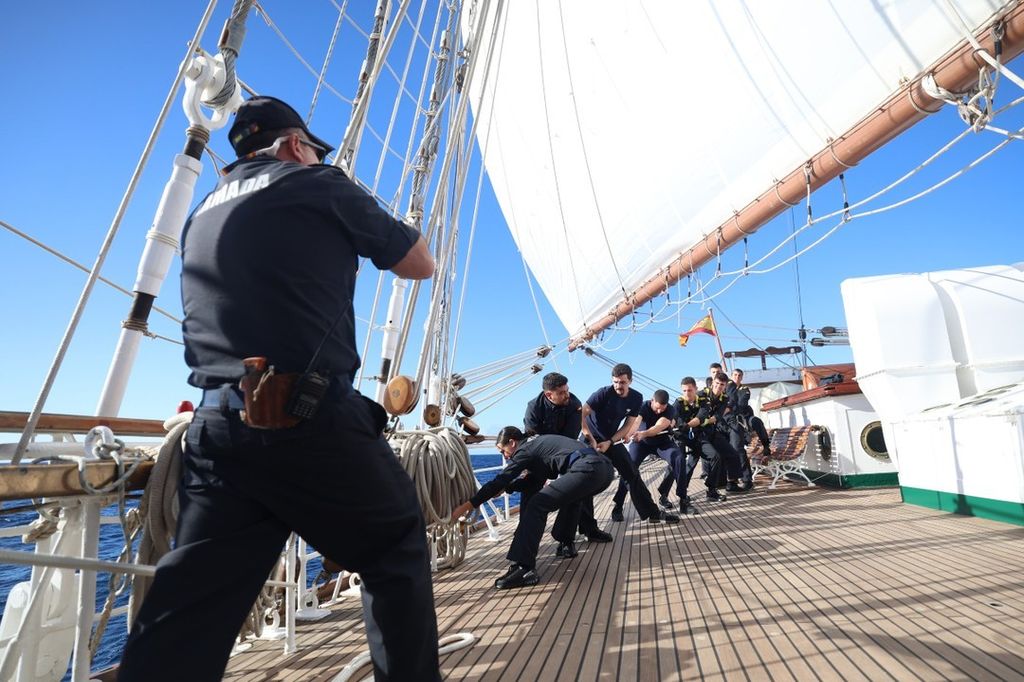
(791, 584)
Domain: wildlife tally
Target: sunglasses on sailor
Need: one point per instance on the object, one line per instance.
(321, 153)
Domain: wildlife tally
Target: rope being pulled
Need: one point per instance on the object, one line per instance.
(438, 463)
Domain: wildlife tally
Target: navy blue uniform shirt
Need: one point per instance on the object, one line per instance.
(608, 410)
(269, 261)
(649, 419)
(713, 406)
(685, 412)
(739, 400)
(544, 417)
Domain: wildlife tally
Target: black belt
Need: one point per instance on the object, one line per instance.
(225, 396)
(581, 453)
(229, 396)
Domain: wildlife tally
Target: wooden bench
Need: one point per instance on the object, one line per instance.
(787, 446)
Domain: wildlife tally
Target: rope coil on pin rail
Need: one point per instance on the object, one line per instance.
(437, 461)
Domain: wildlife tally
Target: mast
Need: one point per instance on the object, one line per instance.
(909, 105)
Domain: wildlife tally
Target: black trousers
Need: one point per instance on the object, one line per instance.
(532, 485)
(335, 482)
(638, 452)
(587, 476)
(689, 465)
(724, 461)
(738, 441)
(757, 426)
(630, 475)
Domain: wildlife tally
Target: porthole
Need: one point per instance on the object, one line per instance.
(873, 441)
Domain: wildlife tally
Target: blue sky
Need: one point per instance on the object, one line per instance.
(83, 85)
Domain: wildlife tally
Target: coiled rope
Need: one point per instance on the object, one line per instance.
(437, 460)
(159, 506)
(445, 645)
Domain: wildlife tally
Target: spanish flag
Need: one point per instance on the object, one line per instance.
(705, 325)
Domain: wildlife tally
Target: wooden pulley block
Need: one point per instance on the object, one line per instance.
(458, 382)
(453, 403)
(401, 396)
(469, 426)
(432, 415)
(473, 440)
(466, 407)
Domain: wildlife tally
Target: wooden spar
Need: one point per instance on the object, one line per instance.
(61, 480)
(75, 423)
(27, 481)
(909, 105)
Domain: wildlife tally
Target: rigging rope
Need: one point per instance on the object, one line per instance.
(327, 61)
(70, 261)
(230, 45)
(437, 461)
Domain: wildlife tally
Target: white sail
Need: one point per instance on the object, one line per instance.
(619, 134)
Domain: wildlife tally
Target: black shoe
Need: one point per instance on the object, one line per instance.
(617, 514)
(511, 569)
(599, 536)
(566, 549)
(665, 502)
(715, 496)
(517, 576)
(733, 488)
(747, 485)
(665, 518)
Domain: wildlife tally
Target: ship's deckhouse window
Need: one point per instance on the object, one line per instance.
(873, 442)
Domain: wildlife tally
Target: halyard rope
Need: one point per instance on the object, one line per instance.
(437, 460)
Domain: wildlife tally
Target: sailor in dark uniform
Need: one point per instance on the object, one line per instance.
(609, 416)
(656, 417)
(579, 472)
(714, 369)
(744, 421)
(269, 264)
(556, 411)
(686, 434)
(725, 461)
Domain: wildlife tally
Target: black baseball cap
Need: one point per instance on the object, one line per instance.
(262, 114)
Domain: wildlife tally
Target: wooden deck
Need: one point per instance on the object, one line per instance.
(790, 584)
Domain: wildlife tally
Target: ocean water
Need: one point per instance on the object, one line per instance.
(111, 543)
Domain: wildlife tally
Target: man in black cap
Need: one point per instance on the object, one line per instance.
(579, 473)
(268, 269)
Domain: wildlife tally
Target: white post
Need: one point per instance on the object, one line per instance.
(90, 511)
(161, 246)
(289, 595)
(392, 330)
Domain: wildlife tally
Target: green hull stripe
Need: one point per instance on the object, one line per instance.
(887, 479)
(983, 507)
